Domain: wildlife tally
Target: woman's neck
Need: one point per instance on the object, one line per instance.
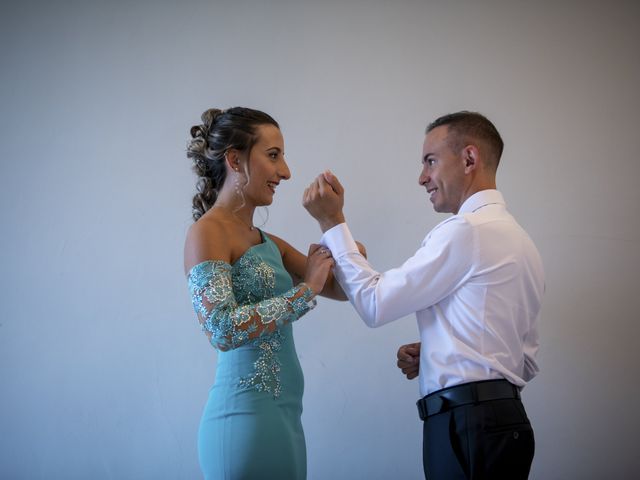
(232, 205)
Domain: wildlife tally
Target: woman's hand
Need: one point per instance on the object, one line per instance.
(319, 263)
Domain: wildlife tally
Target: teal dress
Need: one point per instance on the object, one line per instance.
(250, 427)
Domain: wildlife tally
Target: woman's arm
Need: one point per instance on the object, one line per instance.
(229, 325)
(226, 323)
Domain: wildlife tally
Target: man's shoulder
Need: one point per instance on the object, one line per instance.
(450, 228)
(468, 227)
(493, 212)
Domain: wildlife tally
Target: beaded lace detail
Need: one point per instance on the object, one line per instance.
(235, 306)
(266, 376)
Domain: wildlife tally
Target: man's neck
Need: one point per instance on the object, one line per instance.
(479, 186)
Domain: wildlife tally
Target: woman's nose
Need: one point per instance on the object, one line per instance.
(285, 173)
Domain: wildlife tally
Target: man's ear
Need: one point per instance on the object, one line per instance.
(470, 156)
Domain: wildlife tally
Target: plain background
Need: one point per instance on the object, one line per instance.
(103, 369)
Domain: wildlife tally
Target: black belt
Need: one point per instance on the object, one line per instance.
(465, 394)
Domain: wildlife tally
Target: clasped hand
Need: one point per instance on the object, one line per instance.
(324, 200)
(409, 359)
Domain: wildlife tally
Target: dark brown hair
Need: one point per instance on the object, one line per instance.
(220, 130)
(465, 127)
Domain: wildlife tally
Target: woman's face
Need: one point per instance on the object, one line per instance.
(267, 166)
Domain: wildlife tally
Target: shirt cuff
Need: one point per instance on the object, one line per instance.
(339, 240)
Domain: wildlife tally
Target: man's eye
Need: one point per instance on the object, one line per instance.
(430, 162)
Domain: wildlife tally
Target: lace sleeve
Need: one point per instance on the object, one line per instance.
(229, 325)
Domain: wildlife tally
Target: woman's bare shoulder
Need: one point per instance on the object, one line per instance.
(207, 239)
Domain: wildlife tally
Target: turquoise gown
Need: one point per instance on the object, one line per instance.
(250, 427)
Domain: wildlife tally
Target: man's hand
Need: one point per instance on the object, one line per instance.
(324, 200)
(409, 360)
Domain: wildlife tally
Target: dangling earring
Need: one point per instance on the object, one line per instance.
(236, 182)
(238, 189)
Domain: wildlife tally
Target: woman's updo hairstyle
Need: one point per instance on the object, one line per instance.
(220, 130)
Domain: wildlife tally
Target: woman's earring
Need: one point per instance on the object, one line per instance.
(237, 183)
(238, 186)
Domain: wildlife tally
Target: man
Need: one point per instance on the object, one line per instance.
(475, 286)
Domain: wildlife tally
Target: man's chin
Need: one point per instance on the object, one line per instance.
(440, 209)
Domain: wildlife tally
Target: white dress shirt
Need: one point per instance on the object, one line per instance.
(475, 285)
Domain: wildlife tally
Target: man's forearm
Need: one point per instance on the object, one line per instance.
(330, 222)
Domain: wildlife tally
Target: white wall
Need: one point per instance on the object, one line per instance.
(103, 370)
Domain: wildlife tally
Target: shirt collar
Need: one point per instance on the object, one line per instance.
(480, 199)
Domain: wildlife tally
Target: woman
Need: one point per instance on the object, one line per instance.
(241, 282)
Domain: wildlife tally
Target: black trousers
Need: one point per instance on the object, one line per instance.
(490, 440)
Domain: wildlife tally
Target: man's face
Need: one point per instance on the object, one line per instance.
(443, 172)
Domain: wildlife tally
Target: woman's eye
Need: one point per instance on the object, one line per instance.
(274, 155)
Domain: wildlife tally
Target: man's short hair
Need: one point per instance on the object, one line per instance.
(465, 127)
